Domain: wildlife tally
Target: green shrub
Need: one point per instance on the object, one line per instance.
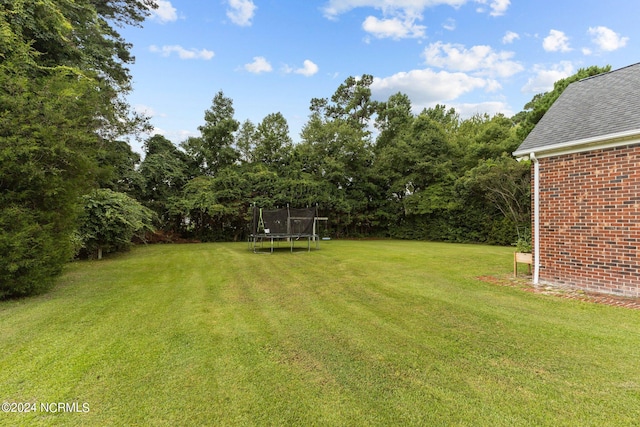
(31, 254)
(110, 220)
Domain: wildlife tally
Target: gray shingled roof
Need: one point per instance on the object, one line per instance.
(593, 107)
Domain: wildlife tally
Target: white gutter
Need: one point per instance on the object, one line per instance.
(536, 218)
(586, 144)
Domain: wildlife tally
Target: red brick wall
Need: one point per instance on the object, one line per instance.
(590, 220)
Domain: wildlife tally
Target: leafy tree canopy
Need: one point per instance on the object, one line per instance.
(109, 221)
(63, 78)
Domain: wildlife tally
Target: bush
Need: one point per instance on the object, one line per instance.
(31, 254)
(110, 220)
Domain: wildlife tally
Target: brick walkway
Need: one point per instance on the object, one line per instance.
(525, 285)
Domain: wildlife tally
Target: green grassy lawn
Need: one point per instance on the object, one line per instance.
(357, 333)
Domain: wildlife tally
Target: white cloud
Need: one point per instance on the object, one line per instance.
(395, 28)
(449, 24)
(308, 69)
(182, 52)
(499, 7)
(165, 12)
(491, 108)
(510, 37)
(259, 65)
(241, 12)
(543, 79)
(607, 39)
(426, 87)
(481, 59)
(180, 135)
(334, 8)
(399, 17)
(556, 41)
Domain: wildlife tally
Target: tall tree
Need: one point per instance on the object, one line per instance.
(482, 137)
(351, 103)
(215, 148)
(44, 167)
(215, 205)
(63, 78)
(118, 164)
(393, 117)
(273, 143)
(164, 172)
(246, 141)
(338, 136)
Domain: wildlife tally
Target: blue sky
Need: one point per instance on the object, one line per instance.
(268, 56)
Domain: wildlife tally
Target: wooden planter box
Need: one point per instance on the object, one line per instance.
(522, 258)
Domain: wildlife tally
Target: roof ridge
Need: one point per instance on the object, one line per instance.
(608, 72)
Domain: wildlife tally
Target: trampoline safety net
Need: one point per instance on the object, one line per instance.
(271, 226)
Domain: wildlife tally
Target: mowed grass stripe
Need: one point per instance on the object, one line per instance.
(358, 333)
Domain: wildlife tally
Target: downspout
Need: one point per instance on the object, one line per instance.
(536, 218)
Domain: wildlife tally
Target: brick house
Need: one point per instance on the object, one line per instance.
(585, 154)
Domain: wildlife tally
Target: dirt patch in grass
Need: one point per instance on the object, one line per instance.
(577, 294)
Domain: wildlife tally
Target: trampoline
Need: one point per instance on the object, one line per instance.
(270, 227)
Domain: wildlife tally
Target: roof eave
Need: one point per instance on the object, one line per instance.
(581, 145)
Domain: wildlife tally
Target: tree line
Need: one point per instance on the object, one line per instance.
(375, 169)
(70, 183)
